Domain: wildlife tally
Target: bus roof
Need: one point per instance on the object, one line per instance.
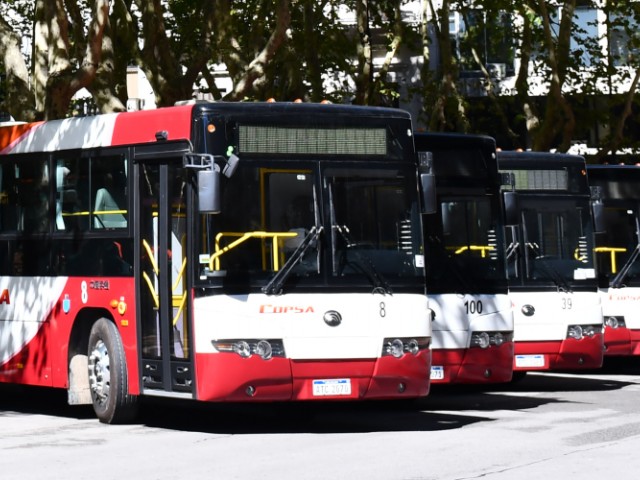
(527, 159)
(460, 160)
(622, 170)
(618, 182)
(129, 128)
(282, 108)
(459, 140)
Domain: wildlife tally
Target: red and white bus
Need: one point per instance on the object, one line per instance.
(617, 251)
(550, 261)
(215, 252)
(472, 329)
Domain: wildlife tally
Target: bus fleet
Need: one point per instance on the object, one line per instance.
(259, 252)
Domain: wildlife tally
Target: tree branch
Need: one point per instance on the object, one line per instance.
(255, 70)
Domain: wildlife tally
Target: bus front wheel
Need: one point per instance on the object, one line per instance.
(108, 375)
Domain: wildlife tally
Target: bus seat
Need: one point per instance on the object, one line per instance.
(62, 173)
(105, 203)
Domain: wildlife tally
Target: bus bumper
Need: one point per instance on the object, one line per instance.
(568, 354)
(621, 342)
(473, 365)
(222, 377)
(617, 341)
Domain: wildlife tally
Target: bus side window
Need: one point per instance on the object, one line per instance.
(33, 196)
(64, 196)
(8, 200)
(110, 196)
(107, 213)
(71, 194)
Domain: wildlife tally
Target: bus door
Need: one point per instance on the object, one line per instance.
(161, 276)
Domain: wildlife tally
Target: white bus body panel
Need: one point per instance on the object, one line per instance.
(32, 300)
(298, 320)
(552, 313)
(453, 321)
(622, 302)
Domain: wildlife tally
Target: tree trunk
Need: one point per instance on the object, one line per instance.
(254, 73)
(19, 101)
(364, 75)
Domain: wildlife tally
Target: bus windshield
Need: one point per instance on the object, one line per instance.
(318, 224)
(462, 247)
(619, 242)
(554, 243)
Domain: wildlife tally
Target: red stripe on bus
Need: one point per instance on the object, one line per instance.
(142, 126)
(9, 136)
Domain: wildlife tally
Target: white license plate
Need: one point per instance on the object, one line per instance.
(437, 373)
(334, 386)
(529, 360)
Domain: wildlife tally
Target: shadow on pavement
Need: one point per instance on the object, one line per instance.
(39, 401)
(542, 382)
(277, 418)
(565, 382)
(621, 366)
(292, 418)
(442, 410)
(426, 414)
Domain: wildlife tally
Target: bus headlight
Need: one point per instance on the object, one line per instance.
(580, 331)
(487, 339)
(615, 322)
(397, 347)
(242, 348)
(591, 330)
(265, 349)
(412, 347)
(574, 331)
(481, 339)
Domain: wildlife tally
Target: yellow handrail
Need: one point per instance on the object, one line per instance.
(152, 258)
(177, 301)
(95, 212)
(180, 274)
(152, 289)
(475, 248)
(214, 259)
(612, 251)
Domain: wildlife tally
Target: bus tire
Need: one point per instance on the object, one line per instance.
(518, 376)
(108, 379)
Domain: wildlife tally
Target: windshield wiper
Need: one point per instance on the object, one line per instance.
(620, 276)
(550, 270)
(512, 251)
(366, 265)
(274, 287)
(364, 262)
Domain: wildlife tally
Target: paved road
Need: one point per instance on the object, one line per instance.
(547, 426)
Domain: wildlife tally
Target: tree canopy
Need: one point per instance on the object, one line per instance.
(532, 73)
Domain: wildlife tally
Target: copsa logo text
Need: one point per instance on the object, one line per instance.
(285, 309)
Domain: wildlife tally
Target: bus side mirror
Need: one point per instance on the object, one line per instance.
(230, 166)
(597, 209)
(208, 178)
(428, 190)
(209, 190)
(510, 201)
(598, 217)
